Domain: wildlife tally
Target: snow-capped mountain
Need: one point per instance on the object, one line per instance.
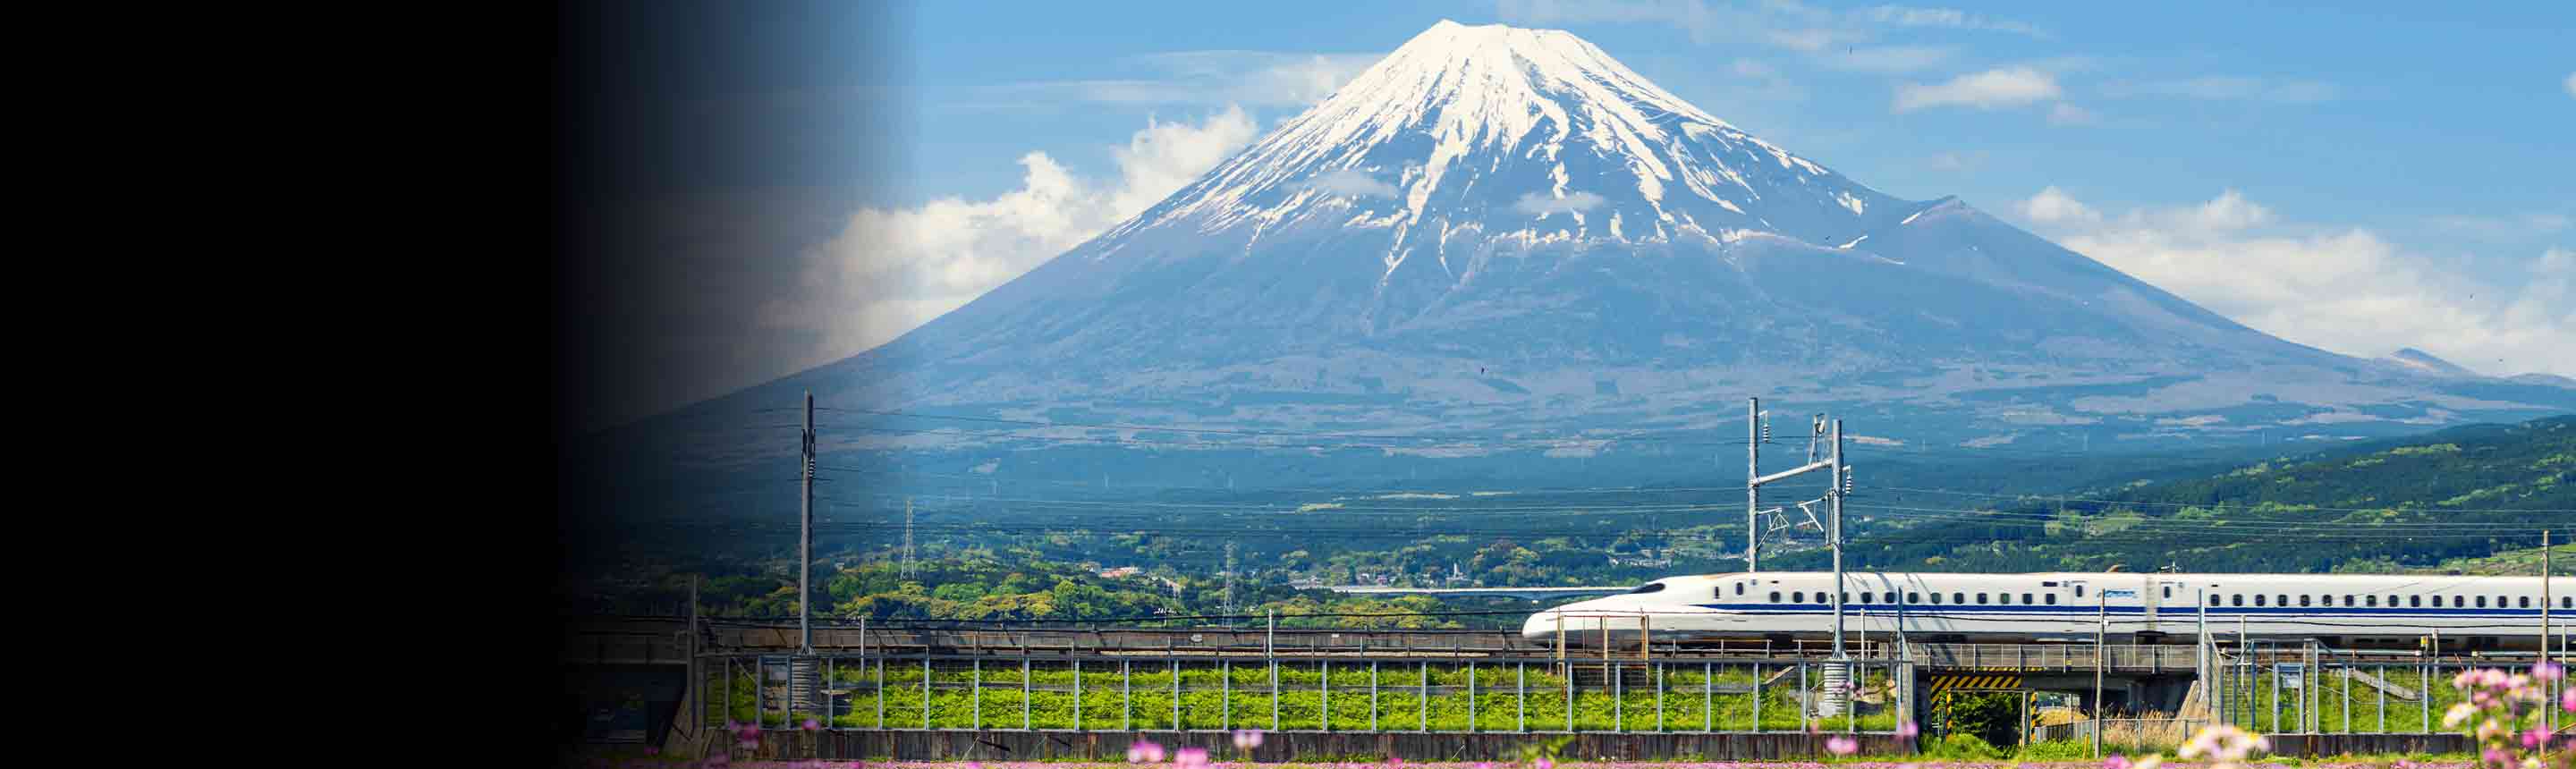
(1500, 231)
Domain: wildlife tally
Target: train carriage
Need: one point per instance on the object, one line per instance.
(2346, 610)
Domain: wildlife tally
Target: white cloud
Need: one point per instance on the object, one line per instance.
(2053, 205)
(1541, 205)
(1353, 182)
(1947, 17)
(2063, 113)
(2571, 83)
(890, 270)
(2236, 88)
(1990, 89)
(1260, 78)
(2344, 289)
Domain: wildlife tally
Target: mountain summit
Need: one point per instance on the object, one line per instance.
(1500, 231)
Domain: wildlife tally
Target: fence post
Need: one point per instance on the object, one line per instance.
(1326, 717)
(1424, 712)
(975, 693)
(1077, 694)
(1708, 697)
(1757, 698)
(1126, 696)
(1520, 699)
(1027, 706)
(1176, 694)
(1471, 697)
(1225, 689)
(881, 663)
(1373, 670)
(925, 692)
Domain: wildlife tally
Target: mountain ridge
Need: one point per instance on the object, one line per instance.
(1497, 231)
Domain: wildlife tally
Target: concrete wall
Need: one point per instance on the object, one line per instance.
(917, 745)
(2340, 744)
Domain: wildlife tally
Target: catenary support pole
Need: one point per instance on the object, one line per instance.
(1752, 493)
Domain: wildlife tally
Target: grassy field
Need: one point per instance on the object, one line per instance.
(1208, 700)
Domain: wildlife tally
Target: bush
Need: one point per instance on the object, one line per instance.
(1962, 747)
(2055, 750)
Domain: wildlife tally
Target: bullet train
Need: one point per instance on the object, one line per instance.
(2342, 610)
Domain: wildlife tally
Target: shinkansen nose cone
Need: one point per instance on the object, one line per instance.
(1544, 625)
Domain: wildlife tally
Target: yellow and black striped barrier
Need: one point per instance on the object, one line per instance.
(1986, 682)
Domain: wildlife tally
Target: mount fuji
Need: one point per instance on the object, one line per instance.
(1500, 234)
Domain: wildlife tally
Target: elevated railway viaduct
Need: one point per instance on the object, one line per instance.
(1310, 689)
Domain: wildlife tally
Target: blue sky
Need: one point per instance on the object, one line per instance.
(2358, 179)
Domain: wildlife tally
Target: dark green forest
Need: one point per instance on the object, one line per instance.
(2471, 498)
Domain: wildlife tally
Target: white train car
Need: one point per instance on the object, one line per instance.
(2345, 610)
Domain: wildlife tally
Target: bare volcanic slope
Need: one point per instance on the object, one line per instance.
(1499, 231)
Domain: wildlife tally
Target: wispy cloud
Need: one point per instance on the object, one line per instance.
(2571, 83)
(1779, 23)
(1952, 18)
(1258, 78)
(2063, 114)
(1887, 58)
(1991, 89)
(1541, 205)
(2342, 288)
(2233, 88)
(1353, 182)
(893, 269)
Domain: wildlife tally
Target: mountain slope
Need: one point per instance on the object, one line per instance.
(1505, 232)
(2463, 493)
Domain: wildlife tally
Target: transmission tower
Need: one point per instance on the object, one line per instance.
(907, 538)
(1229, 578)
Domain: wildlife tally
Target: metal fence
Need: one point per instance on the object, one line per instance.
(2290, 689)
(949, 692)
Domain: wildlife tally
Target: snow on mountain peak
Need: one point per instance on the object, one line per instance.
(1527, 134)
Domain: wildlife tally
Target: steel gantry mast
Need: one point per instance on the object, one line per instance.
(1838, 485)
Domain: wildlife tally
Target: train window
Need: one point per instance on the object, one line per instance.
(2415, 600)
(2079, 591)
(1913, 597)
(2236, 600)
(2523, 602)
(2258, 599)
(1868, 597)
(2303, 599)
(2458, 601)
(1958, 598)
(1846, 596)
(1739, 588)
(2168, 591)
(2347, 599)
(2052, 598)
(2281, 600)
(2004, 598)
(1981, 598)
(2025, 598)
(2566, 602)
(1775, 596)
(1798, 597)
(2370, 600)
(1936, 597)
(2482, 602)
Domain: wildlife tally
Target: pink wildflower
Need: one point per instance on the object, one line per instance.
(1908, 730)
(811, 724)
(2497, 756)
(2567, 700)
(2537, 737)
(2548, 671)
(1247, 739)
(1844, 746)
(2116, 762)
(1190, 758)
(1144, 752)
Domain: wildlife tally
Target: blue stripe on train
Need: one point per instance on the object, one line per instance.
(2215, 611)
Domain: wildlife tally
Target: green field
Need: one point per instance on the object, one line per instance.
(1209, 700)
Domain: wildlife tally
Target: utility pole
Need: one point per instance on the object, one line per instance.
(1752, 492)
(805, 537)
(2101, 633)
(1840, 485)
